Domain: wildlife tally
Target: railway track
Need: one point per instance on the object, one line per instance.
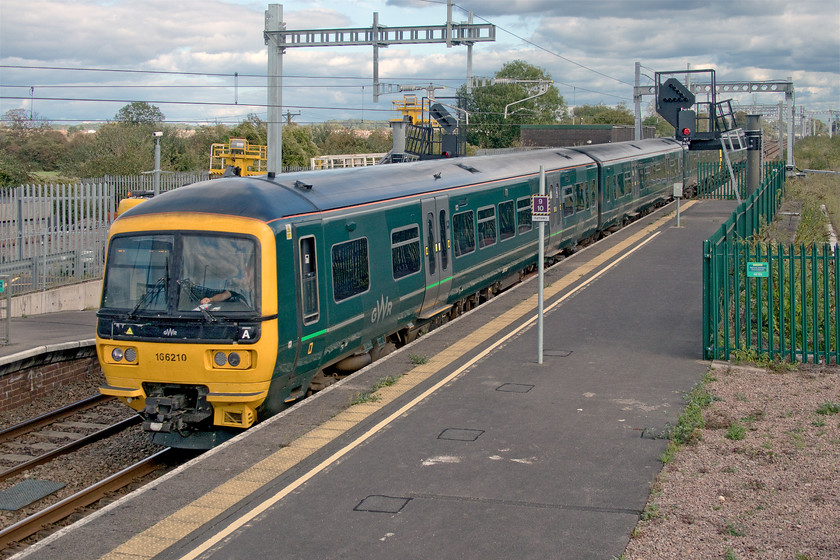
(41, 439)
(66, 507)
(87, 450)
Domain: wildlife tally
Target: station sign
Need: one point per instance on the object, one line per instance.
(758, 270)
(540, 208)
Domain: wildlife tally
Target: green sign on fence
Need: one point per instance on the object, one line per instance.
(758, 270)
(2, 285)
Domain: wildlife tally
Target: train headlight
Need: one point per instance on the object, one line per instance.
(117, 354)
(130, 355)
(230, 359)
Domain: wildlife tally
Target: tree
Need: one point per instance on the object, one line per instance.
(253, 129)
(298, 146)
(140, 112)
(601, 114)
(489, 128)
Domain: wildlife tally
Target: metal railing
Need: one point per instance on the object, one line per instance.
(773, 301)
(5, 311)
(53, 235)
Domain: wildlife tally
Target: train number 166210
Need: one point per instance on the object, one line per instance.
(170, 357)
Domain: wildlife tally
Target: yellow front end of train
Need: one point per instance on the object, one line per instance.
(188, 367)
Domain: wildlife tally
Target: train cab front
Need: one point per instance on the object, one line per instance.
(186, 332)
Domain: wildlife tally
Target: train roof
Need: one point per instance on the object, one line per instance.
(605, 153)
(292, 194)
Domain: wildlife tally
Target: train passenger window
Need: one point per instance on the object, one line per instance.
(486, 227)
(405, 251)
(463, 226)
(308, 281)
(568, 202)
(580, 199)
(350, 267)
(507, 220)
(523, 214)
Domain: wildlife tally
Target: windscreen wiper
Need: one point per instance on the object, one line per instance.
(189, 285)
(158, 286)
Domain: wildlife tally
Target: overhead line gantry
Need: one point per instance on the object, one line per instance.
(278, 39)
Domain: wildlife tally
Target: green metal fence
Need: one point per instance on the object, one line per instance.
(778, 301)
(713, 180)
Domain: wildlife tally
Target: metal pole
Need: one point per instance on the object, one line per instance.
(541, 282)
(637, 101)
(791, 116)
(274, 22)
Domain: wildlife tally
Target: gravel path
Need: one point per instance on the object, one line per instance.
(763, 482)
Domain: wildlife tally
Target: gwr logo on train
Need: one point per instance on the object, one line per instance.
(382, 310)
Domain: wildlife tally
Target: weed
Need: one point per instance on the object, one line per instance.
(730, 555)
(364, 397)
(669, 453)
(734, 529)
(802, 556)
(819, 422)
(740, 397)
(384, 382)
(732, 469)
(418, 360)
(736, 432)
(828, 407)
(651, 512)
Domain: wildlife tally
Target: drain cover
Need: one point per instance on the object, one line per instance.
(514, 388)
(382, 504)
(460, 434)
(22, 494)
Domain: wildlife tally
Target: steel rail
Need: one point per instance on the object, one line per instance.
(64, 508)
(96, 436)
(50, 417)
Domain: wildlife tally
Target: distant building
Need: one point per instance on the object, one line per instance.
(557, 135)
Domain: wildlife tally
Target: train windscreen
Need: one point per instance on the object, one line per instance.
(174, 273)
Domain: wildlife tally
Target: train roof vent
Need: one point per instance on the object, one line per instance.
(303, 186)
(469, 168)
(561, 154)
(635, 146)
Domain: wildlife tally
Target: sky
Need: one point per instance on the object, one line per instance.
(205, 61)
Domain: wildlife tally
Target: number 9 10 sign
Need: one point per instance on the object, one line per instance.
(540, 208)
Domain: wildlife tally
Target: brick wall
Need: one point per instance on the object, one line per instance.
(21, 387)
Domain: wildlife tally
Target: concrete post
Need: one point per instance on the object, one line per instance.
(156, 172)
(753, 134)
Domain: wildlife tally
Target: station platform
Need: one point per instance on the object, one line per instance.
(476, 450)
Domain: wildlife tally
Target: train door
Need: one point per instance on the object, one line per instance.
(311, 296)
(437, 252)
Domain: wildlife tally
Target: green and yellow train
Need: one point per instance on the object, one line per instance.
(228, 300)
